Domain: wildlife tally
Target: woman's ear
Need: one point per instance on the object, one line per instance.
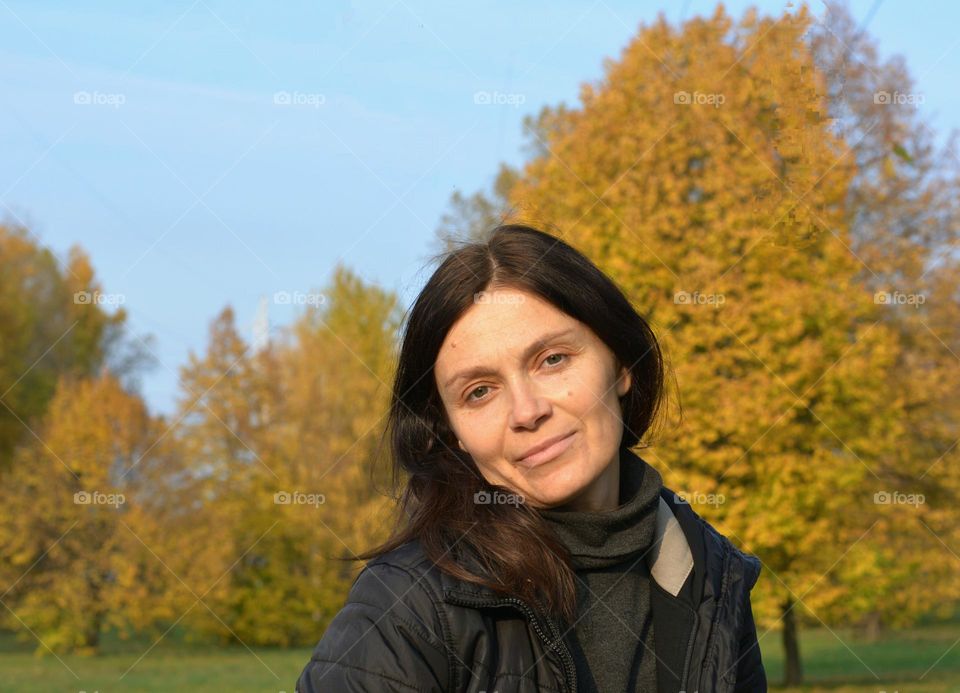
(624, 382)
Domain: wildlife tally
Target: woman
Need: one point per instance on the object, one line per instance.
(539, 552)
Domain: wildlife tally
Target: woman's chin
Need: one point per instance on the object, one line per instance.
(549, 496)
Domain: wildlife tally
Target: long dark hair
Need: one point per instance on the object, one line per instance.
(516, 551)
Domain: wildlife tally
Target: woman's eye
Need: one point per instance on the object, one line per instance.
(470, 395)
(472, 392)
(552, 355)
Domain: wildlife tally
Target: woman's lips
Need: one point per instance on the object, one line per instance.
(549, 453)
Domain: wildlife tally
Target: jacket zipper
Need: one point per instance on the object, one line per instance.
(569, 667)
(689, 655)
(715, 621)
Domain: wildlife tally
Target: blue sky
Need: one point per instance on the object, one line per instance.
(191, 188)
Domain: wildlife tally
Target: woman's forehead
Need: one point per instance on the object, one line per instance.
(478, 343)
(506, 324)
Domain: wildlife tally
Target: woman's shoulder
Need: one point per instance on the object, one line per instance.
(405, 569)
(409, 556)
(402, 583)
(387, 635)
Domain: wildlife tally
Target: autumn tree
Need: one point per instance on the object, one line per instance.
(64, 544)
(53, 321)
(903, 220)
(470, 217)
(714, 173)
(283, 441)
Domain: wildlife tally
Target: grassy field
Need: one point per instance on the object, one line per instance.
(894, 663)
(920, 659)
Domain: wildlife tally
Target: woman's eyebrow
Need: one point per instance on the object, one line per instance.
(539, 343)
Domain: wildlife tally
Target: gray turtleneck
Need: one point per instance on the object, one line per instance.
(612, 640)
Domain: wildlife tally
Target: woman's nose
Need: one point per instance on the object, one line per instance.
(529, 406)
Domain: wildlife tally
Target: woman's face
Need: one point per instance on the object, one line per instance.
(515, 372)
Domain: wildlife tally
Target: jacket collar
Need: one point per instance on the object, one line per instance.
(670, 558)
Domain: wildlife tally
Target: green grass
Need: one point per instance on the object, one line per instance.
(223, 670)
(898, 659)
(842, 661)
(131, 666)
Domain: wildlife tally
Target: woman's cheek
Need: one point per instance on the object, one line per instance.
(480, 423)
(568, 385)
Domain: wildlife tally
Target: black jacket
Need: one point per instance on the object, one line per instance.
(408, 627)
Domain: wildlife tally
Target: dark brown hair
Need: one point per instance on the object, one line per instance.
(519, 554)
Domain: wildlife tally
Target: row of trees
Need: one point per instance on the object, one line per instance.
(225, 518)
(790, 236)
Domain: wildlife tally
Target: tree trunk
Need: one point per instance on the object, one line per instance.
(872, 627)
(91, 634)
(792, 671)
